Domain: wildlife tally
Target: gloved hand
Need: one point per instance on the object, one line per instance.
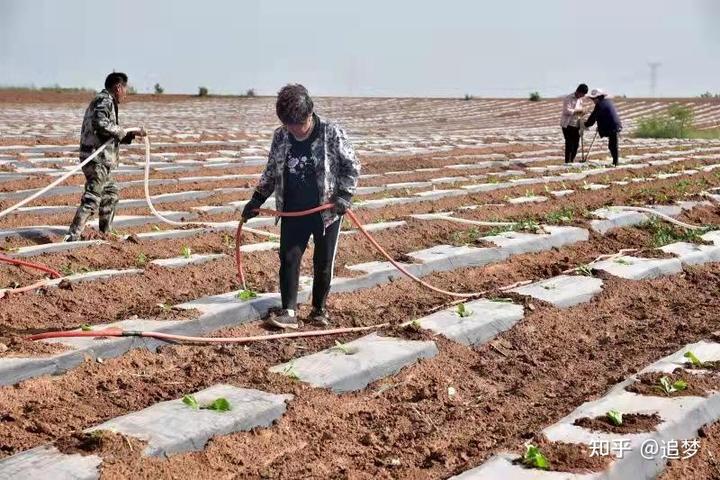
(342, 204)
(128, 138)
(250, 209)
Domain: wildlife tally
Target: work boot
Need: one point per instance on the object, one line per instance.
(319, 317)
(71, 238)
(285, 319)
(106, 220)
(77, 225)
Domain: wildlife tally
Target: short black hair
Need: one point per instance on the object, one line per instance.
(114, 78)
(582, 88)
(294, 104)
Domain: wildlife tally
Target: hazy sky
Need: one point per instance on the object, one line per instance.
(366, 47)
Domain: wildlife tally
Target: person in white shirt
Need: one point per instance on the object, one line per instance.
(570, 121)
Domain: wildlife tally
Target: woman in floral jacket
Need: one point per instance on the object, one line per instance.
(311, 163)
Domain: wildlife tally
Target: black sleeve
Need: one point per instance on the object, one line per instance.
(591, 120)
(128, 138)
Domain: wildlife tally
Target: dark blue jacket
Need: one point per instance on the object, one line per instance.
(607, 118)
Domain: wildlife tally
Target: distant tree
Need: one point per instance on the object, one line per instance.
(158, 89)
(468, 96)
(683, 116)
(250, 92)
(535, 97)
(202, 92)
(131, 90)
(709, 95)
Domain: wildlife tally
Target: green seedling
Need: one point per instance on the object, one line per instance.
(534, 458)
(463, 311)
(669, 388)
(165, 307)
(155, 228)
(615, 417)
(227, 241)
(85, 327)
(693, 359)
(67, 270)
(220, 404)
(141, 260)
(185, 251)
(290, 371)
(191, 402)
(585, 270)
(344, 348)
(622, 261)
(246, 295)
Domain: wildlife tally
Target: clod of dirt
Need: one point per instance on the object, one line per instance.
(65, 284)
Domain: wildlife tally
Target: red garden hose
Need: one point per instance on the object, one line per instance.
(117, 332)
(36, 266)
(366, 234)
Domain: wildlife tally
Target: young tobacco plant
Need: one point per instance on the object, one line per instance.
(185, 251)
(615, 417)
(220, 404)
(246, 295)
(534, 458)
(344, 348)
(668, 387)
(141, 260)
(463, 311)
(692, 358)
(585, 270)
(290, 371)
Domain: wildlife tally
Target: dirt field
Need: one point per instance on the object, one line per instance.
(436, 174)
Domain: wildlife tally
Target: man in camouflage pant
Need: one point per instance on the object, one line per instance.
(100, 124)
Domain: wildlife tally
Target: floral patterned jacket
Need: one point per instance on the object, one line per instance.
(336, 167)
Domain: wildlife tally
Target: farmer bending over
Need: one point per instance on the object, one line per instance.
(607, 119)
(99, 125)
(311, 163)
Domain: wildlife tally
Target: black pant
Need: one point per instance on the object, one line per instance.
(572, 142)
(294, 236)
(613, 147)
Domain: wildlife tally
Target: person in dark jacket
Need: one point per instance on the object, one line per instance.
(608, 121)
(311, 163)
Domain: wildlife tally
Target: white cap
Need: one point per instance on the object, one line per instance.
(597, 92)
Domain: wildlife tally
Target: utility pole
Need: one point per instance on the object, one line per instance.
(653, 77)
